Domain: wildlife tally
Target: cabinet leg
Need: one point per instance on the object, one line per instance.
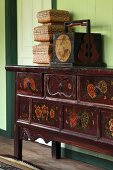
(56, 150)
(17, 144)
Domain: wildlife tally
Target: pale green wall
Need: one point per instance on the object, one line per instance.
(101, 15)
(2, 67)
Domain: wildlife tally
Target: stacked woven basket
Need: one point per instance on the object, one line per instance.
(52, 22)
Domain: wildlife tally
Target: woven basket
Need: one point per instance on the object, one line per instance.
(45, 32)
(42, 58)
(43, 48)
(42, 53)
(53, 16)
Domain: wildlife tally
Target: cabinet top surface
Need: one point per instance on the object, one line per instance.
(55, 69)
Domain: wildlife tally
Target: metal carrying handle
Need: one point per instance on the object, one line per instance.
(77, 23)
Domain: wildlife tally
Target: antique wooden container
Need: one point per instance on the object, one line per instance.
(42, 53)
(49, 16)
(75, 48)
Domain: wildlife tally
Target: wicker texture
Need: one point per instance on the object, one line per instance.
(43, 48)
(42, 53)
(42, 58)
(52, 15)
(45, 32)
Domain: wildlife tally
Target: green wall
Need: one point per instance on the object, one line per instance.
(2, 67)
(101, 15)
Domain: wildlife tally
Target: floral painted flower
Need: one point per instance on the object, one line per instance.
(84, 120)
(102, 86)
(44, 109)
(45, 112)
(73, 119)
(26, 83)
(69, 86)
(32, 82)
(111, 126)
(38, 112)
(91, 90)
(29, 82)
(52, 114)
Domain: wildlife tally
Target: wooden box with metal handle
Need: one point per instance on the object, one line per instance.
(76, 48)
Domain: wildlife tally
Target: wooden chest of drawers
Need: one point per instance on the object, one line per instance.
(70, 105)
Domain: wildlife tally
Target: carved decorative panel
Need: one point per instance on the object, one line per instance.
(61, 86)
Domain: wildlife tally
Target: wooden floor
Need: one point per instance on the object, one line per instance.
(40, 155)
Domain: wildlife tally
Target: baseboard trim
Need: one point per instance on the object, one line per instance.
(3, 133)
(98, 162)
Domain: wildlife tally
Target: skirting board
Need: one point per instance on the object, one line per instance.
(98, 162)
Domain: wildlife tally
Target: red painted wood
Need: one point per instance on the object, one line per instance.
(29, 83)
(60, 104)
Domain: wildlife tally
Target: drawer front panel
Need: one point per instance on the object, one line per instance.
(60, 86)
(46, 113)
(96, 89)
(23, 108)
(29, 83)
(81, 119)
(107, 124)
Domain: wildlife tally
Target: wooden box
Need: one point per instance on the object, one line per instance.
(42, 53)
(75, 48)
(48, 16)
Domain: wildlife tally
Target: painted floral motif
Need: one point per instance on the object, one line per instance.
(24, 116)
(73, 119)
(29, 83)
(52, 114)
(91, 90)
(95, 90)
(78, 119)
(109, 127)
(84, 120)
(102, 86)
(38, 112)
(63, 48)
(43, 113)
(69, 86)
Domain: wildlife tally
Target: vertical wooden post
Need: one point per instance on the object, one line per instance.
(17, 144)
(56, 150)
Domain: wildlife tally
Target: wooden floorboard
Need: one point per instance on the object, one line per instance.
(40, 155)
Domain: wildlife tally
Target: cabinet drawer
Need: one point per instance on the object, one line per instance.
(96, 89)
(60, 86)
(29, 83)
(107, 124)
(81, 119)
(46, 113)
(23, 108)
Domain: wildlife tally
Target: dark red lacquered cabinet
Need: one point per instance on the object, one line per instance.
(59, 104)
